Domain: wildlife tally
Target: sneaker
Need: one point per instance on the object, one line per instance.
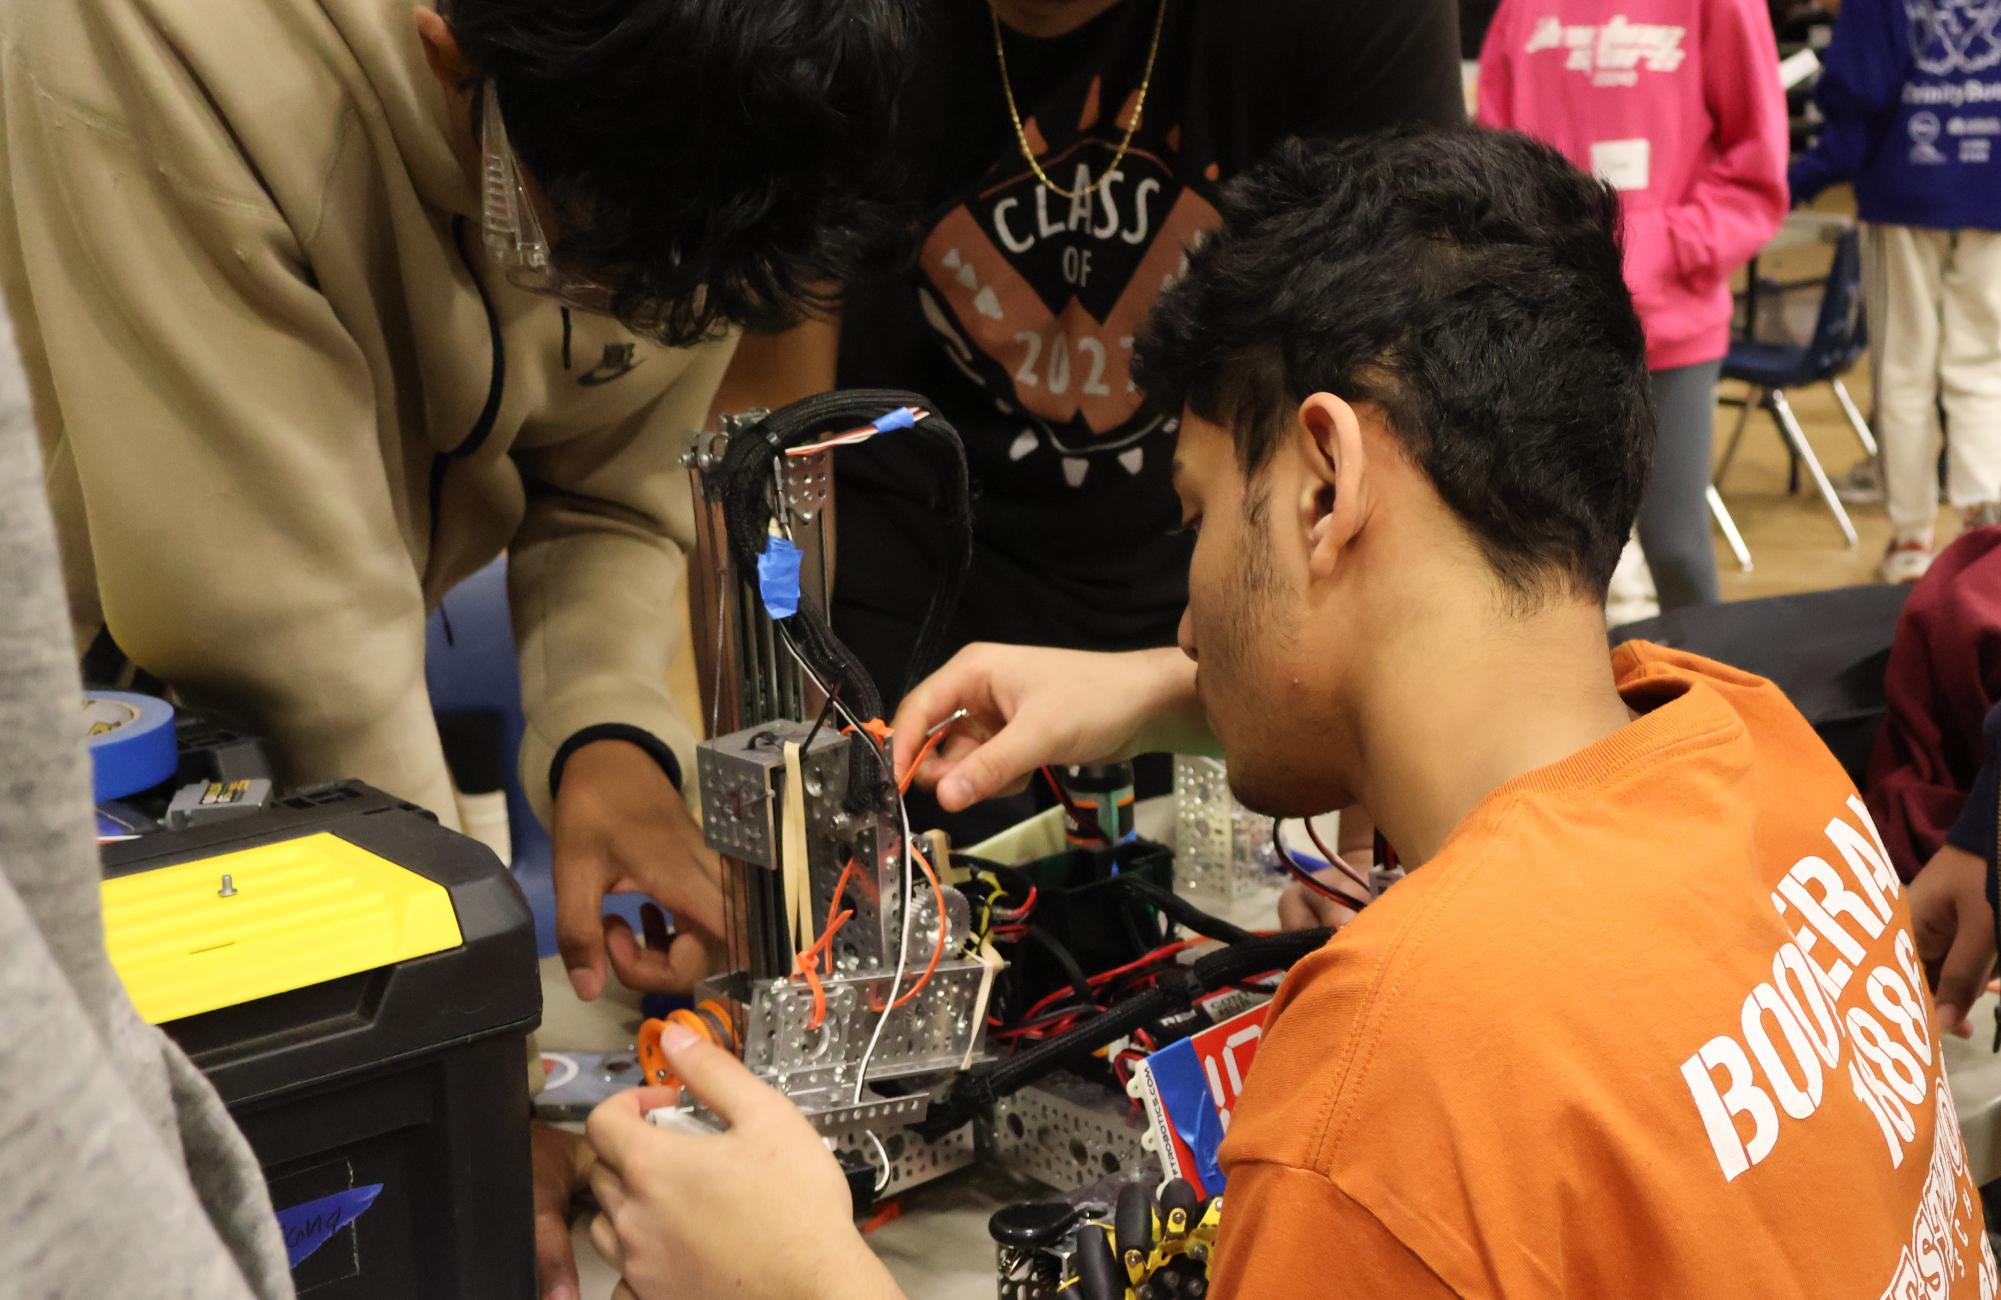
(1907, 559)
(1862, 485)
(1985, 515)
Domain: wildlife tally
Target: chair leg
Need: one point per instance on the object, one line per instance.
(1753, 398)
(1855, 420)
(1729, 527)
(1789, 425)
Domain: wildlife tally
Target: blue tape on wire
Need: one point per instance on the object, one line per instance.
(778, 577)
(903, 417)
(132, 743)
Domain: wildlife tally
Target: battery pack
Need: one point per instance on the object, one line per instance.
(358, 983)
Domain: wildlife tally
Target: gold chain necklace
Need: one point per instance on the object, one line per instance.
(1132, 127)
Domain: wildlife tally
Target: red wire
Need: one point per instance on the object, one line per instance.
(1334, 859)
(1062, 795)
(1103, 977)
(1306, 877)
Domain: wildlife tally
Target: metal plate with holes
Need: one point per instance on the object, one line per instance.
(743, 786)
(931, 1033)
(912, 1160)
(1069, 1133)
(807, 481)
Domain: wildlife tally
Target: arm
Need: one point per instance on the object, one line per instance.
(595, 576)
(1862, 74)
(220, 425)
(1285, 1230)
(1735, 204)
(774, 370)
(594, 580)
(1027, 707)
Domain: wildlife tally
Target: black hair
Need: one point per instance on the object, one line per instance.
(1469, 284)
(712, 162)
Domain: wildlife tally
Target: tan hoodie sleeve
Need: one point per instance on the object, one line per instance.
(211, 431)
(596, 576)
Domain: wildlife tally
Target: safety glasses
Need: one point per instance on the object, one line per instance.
(512, 231)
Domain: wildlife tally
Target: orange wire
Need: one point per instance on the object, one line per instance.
(930, 743)
(808, 962)
(937, 949)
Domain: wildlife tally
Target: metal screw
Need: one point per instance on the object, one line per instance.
(228, 889)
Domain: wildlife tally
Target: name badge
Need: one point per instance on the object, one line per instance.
(1623, 164)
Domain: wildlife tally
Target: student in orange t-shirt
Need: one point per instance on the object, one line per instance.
(1645, 1018)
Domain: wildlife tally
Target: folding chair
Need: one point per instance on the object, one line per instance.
(1839, 339)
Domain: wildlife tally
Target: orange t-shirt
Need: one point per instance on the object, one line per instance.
(1650, 1024)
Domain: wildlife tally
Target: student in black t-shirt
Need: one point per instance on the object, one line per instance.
(1044, 223)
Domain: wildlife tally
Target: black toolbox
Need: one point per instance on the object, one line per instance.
(388, 1106)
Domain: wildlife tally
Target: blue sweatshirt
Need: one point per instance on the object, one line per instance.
(1912, 97)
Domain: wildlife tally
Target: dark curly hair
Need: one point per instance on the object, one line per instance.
(1469, 284)
(712, 162)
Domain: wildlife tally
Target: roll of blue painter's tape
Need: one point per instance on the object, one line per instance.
(132, 743)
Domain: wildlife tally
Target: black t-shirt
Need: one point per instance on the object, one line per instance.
(1018, 317)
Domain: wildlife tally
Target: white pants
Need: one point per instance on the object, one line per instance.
(1934, 302)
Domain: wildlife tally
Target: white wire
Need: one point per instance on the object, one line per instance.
(902, 958)
(903, 814)
(882, 1151)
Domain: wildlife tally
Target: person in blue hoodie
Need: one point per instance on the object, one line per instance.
(1912, 98)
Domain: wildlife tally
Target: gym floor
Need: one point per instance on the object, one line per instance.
(1794, 542)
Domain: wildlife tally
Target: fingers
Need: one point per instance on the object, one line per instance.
(673, 966)
(556, 1156)
(1968, 962)
(617, 1129)
(623, 1291)
(604, 1240)
(578, 874)
(1294, 911)
(1300, 908)
(960, 684)
(696, 896)
(555, 1260)
(717, 1078)
(993, 767)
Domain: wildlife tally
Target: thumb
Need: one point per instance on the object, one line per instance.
(1965, 969)
(715, 1077)
(997, 765)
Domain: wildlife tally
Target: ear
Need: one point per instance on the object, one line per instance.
(1334, 498)
(441, 51)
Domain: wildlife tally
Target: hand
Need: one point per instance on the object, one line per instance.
(1029, 706)
(562, 1164)
(1300, 908)
(621, 827)
(1954, 928)
(759, 1212)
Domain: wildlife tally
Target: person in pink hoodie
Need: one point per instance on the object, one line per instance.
(1677, 105)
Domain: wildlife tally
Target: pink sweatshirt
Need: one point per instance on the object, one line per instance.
(1676, 103)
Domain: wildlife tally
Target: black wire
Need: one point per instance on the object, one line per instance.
(1306, 877)
(821, 721)
(1073, 970)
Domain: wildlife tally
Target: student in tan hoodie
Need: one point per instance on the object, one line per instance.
(293, 382)
(296, 374)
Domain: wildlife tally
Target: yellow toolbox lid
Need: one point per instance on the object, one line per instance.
(296, 913)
